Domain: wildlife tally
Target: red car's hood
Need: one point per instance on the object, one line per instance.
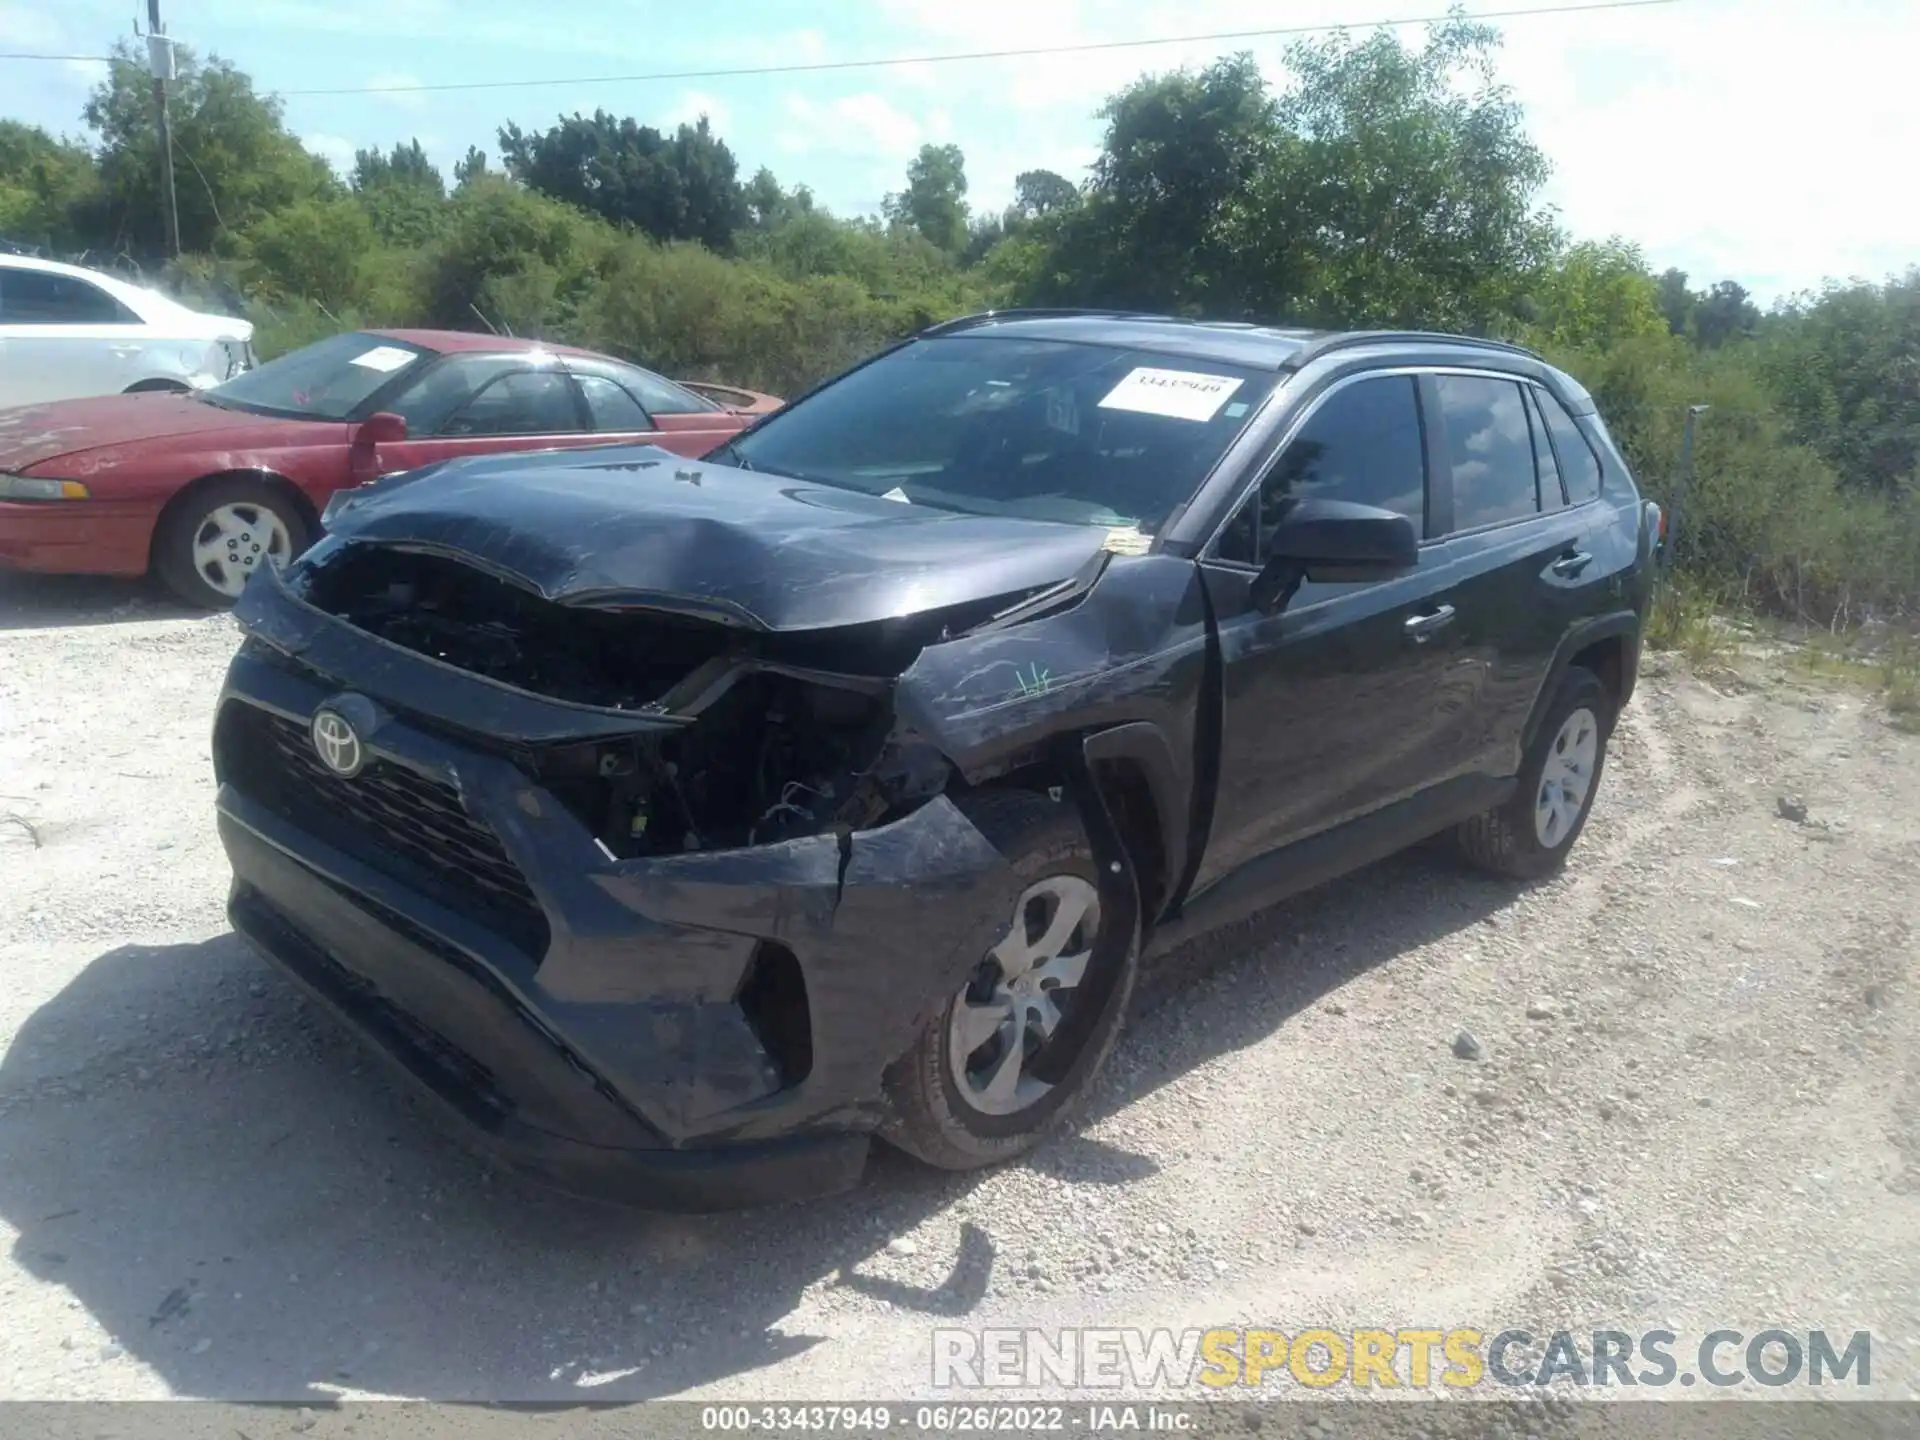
(34, 434)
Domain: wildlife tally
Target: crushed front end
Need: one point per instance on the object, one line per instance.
(649, 900)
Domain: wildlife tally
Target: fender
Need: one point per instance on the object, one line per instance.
(1119, 887)
(1587, 632)
(1145, 744)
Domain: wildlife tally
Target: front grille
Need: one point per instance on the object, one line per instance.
(396, 819)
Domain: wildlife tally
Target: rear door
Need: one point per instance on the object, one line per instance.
(628, 403)
(62, 337)
(1515, 547)
(484, 404)
(1347, 699)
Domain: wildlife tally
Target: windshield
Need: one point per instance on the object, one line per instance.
(324, 381)
(1047, 429)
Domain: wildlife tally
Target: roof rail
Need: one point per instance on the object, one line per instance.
(1350, 339)
(1039, 312)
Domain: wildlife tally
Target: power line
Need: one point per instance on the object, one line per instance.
(814, 67)
(24, 55)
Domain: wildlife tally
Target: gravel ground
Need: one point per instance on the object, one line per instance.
(1696, 1103)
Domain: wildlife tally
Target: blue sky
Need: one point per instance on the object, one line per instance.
(1769, 141)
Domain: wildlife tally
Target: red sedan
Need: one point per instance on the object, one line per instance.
(203, 488)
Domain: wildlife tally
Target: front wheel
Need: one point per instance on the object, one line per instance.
(1531, 835)
(1012, 1054)
(213, 538)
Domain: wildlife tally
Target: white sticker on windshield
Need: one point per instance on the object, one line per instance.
(1178, 394)
(384, 358)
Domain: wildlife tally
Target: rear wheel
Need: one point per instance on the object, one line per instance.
(215, 536)
(1531, 835)
(1011, 1055)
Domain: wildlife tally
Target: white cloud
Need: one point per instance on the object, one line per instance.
(29, 29)
(865, 125)
(336, 150)
(692, 104)
(398, 98)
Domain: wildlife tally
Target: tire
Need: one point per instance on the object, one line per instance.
(931, 1117)
(1519, 840)
(260, 522)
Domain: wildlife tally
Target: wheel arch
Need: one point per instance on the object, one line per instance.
(1126, 784)
(273, 480)
(1609, 645)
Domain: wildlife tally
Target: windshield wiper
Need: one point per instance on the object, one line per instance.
(739, 461)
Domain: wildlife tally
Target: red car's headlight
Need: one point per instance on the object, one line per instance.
(22, 487)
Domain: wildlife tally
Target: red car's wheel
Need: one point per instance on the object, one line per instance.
(214, 537)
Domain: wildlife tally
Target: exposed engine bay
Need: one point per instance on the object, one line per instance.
(761, 749)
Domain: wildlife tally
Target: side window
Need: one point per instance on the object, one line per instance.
(1489, 449)
(39, 297)
(658, 396)
(1551, 495)
(526, 402)
(1578, 464)
(1363, 444)
(611, 407)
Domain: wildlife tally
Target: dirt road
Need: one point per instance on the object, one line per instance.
(1697, 1104)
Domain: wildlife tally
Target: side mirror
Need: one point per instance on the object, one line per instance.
(381, 428)
(1333, 541)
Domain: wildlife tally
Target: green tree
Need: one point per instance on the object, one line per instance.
(1180, 152)
(679, 187)
(935, 200)
(1724, 314)
(1846, 368)
(1042, 192)
(1597, 294)
(45, 183)
(401, 191)
(235, 160)
(1402, 190)
(316, 250)
(470, 167)
(1676, 302)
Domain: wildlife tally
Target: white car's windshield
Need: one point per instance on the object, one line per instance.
(1052, 430)
(323, 381)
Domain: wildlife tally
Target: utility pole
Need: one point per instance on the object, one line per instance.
(160, 66)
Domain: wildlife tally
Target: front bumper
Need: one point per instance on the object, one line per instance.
(75, 537)
(594, 1022)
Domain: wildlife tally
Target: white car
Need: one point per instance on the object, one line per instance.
(66, 332)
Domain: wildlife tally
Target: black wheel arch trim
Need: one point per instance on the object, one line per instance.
(1119, 886)
(1622, 624)
(1145, 744)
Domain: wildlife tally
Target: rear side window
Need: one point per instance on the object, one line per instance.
(1551, 496)
(39, 297)
(612, 408)
(659, 396)
(1489, 449)
(1362, 445)
(1578, 464)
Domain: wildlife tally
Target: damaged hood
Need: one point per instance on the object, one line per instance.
(639, 526)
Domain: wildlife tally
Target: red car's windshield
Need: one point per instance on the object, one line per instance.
(323, 381)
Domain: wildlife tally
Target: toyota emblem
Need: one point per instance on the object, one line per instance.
(337, 743)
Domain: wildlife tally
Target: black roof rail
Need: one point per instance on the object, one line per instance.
(1350, 339)
(1039, 312)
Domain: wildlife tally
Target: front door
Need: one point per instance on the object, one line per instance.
(1354, 695)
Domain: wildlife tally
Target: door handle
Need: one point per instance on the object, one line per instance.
(126, 348)
(1422, 627)
(1571, 564)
